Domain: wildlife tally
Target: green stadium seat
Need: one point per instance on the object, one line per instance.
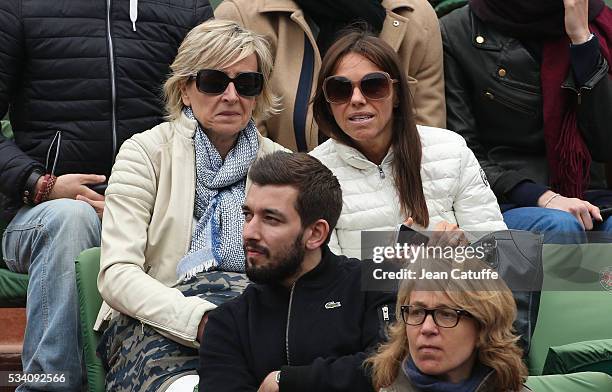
(87, 266)
(575, 382)
(574, 306)
(589, 356)
(443, 7)
(13, 286)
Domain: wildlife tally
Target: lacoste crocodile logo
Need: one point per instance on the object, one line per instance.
(332, 305)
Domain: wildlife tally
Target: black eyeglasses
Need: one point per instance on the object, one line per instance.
(443, 317)
(375, 86)
(214, 82)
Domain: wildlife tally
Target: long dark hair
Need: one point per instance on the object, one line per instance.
(405, 139)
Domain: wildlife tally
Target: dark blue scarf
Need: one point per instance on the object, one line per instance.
(426, 383)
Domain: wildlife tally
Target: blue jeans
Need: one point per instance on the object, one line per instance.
(44, 241)
(556, 225)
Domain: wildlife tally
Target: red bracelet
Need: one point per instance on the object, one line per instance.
(43, 186)
(45, 189)
(49, 188)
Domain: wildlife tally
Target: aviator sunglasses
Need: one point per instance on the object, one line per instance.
(374, 86)
(214, 82)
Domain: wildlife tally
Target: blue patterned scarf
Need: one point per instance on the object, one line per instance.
(216, 243)
(426, 383)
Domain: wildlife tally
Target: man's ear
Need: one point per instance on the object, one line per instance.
(316, 234)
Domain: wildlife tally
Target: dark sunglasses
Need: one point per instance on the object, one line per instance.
(214, 82)
(375, 86)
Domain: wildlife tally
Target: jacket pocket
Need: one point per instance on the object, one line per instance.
(509, 103)
(16, 243)
(520, 87)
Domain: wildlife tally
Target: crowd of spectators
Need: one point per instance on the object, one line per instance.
(164, 134)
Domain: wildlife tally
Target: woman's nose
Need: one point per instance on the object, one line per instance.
(357, 97)
(230, 94)
(429, 326)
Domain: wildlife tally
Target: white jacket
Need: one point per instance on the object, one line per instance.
(454, 185)
(147, 229)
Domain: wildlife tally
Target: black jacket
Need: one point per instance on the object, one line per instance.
(318, 333)
(78, 67)
(493, 99)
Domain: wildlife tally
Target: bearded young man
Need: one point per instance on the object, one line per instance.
(305, 325)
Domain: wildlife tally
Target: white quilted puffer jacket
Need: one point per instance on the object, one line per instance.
(455, 188)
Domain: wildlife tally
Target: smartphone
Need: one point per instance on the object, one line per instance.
(605, 212)
(407, 235)
(98, 188)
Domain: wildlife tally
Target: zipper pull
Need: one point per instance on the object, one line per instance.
(579, 93)
(385, 311)
(133, 13)
(57, 138)
(381, 172)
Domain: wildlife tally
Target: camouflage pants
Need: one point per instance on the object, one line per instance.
(138, 358)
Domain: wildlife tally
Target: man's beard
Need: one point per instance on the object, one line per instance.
(280, 267)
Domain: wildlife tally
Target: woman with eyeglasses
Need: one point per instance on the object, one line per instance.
(451, 335)
(390, 169)
(171, 236)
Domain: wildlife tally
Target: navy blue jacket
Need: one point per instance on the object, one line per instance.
(78, 67)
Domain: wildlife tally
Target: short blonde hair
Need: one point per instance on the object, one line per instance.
(218, 44)
(489, 301)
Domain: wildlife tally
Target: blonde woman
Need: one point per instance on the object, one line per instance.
(174, 208)
(451, 335)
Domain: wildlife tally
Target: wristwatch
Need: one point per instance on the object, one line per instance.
(29, 189)
(277, 378)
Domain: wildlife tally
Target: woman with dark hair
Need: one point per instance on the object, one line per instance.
(529, 86)
(451, 335)
(300, 33)
(390, 169)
